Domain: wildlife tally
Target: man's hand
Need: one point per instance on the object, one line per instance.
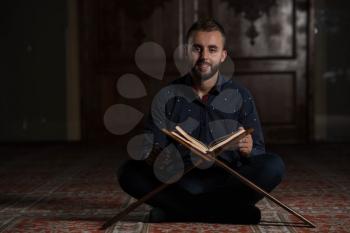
(245, 145)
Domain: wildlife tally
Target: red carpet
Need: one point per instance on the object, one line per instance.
(74, 189)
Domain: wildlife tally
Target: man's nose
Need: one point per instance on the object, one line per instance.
(204, 54)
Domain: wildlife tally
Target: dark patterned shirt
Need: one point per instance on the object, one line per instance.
(226, 107)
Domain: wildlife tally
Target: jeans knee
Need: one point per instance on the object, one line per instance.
(123, 175)
(275, 167)
(135, 178)
(128, 175)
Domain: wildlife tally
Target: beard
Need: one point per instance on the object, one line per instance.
(204, 75)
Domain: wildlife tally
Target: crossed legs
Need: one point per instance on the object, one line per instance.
(210, 195)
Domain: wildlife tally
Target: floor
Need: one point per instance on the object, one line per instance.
(73, 188)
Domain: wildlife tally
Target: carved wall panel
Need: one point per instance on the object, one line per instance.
(258, 28)
(268, 42)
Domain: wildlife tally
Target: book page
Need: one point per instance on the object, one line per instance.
(192, 139)
(220, 139)
(180, 139)
(190, 143)
(226, 140)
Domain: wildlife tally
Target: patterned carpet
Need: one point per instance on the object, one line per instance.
(72, 188)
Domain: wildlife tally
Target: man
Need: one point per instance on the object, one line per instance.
(208, 106)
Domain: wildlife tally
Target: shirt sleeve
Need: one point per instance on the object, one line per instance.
(249, 119)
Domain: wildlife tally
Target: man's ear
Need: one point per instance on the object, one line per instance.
(223, 55)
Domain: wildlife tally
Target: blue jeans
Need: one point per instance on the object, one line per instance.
(204, 191)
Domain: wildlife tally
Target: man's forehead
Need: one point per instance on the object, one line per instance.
(207, 38)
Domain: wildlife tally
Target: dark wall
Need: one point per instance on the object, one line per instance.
(32, 69)
(332, 55)
(33, 89)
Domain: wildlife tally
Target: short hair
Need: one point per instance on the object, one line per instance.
(206, 25)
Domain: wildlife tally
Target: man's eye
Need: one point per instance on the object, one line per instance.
(213, 50)
(197, 49)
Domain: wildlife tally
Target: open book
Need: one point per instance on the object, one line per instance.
(221, 143)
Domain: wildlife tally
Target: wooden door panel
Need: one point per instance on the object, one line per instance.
(124, 26)
(274, 95)
(267, 41)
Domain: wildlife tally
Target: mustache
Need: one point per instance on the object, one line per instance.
(202, 62)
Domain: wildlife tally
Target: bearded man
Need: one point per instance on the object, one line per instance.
(207, 105)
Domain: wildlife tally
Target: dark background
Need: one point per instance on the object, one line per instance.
(60, 61)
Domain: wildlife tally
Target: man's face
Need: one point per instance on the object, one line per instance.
(206, 52)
